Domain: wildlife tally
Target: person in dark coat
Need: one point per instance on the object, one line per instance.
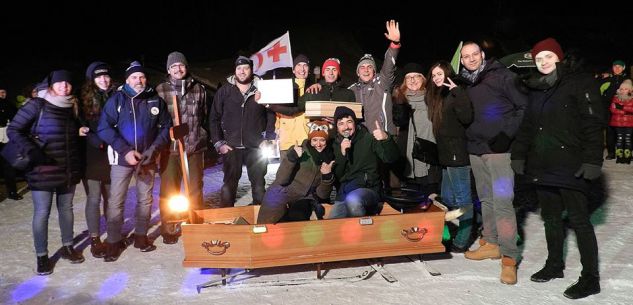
(135, 123)
(94, 93)
(451, 111)
(47, 129)
(7, 111)
(559, 145)
(303, 181)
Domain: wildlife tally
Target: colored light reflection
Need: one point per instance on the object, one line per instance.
(274, 237)
(112, 286)
(312, 234)
(503, 188)
(351, 231)
(28, 289)
(389, 231)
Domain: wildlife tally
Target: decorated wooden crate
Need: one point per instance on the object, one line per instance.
(228, 238)
(326, 108)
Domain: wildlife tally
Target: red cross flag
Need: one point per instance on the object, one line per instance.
(276, 54)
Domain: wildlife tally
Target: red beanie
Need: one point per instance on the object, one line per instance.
(332, 62)
(548, 44)
(319, 129)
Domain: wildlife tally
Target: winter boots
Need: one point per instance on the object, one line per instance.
(486, 250)
(69, 253)
(143, 243)
(623, 156)
(584, 287)
(97, 248)
(113, 251)
(546, 274)
(508, 271)
(44, 265)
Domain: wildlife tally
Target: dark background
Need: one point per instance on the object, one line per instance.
(40, 37)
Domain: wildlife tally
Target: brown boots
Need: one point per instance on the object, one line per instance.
(491, 251)
(486, 250)
(508, 271)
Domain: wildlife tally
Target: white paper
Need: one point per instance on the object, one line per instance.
(275, 91)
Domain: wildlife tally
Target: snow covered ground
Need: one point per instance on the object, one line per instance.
(159, 278)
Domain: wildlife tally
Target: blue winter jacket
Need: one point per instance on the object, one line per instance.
(131, 121)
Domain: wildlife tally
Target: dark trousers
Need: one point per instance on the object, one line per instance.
(553, 202)
(279, 205)
(171, 179)
(256, 167)
(610, 139)
(9, 175)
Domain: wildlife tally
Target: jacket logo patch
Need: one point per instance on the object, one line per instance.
(154, 110)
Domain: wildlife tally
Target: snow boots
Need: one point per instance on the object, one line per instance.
(547, 273)
(508, 271)
(69, 253)
(44, 265)
(97, 248)
(486, 250)
(584, 287)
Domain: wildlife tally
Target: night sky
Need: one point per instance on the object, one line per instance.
(43, 37)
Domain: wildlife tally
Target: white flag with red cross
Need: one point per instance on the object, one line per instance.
(276, 54)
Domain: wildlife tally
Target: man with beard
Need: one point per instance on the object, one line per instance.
(238, 125)
(135, 124)
(191, 97)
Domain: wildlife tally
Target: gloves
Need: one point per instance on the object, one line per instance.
(618, 106)
(149, 155)
(589, 171)
(500, 143)
(518, 166)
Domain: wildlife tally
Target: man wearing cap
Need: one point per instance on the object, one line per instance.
(609, 89)
(291, 121)
(238, 126)
(559, 145)
(135, 124)
(357, 152)
(498, 108)
(303, 181)
(96, 90)
(329, 88)
(373, 89)
(191, 97)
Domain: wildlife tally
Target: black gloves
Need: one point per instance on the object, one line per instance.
(500, 143)
(149, 155)
(518, 166)
(589, 171)
(618, 106)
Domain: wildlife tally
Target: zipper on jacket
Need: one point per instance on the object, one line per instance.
(134, 119)
(589, 101)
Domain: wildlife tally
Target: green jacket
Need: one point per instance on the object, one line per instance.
(359, 168)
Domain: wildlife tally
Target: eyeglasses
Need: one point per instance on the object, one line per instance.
(412, 77)
(176, 66)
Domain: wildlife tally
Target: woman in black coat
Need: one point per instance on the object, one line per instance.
(559, 146)
(47, 130)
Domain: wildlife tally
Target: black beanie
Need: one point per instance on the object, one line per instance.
(300, 58)
(343, 112)
(134, 67)
(97, 68)
(413, 68)
(59, 76)
(243, 60)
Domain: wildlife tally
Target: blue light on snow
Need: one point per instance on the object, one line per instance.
(113, 286)
(29, 288)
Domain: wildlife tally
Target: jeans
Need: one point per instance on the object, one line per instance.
(359, 202)
(171, 179)
(120, 177)
(95, 190)
(495, 186)
(256, 167)
(553, 202)
(456, 194)
(42, 203)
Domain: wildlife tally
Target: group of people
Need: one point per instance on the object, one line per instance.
(485, 121)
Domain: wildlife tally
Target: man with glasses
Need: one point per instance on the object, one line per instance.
(498, 108)
(191, 97)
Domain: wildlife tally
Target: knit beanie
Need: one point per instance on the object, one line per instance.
(319, 129)
(59, 76)
(176, 57)
(134, 67)
(413, 68)
(343, 112)
(548, 44)
(243, 60)
(331, 62)
(366, 59)
(619, 62)
(96, 69)
(299, 59)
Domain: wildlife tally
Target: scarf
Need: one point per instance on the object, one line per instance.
(472, 75)
(326, 156)
(60, 101)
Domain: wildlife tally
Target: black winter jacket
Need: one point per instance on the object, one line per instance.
(562, 129)
(457, 114)
(58, 139)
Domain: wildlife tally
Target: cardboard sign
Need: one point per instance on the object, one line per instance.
(275, 91)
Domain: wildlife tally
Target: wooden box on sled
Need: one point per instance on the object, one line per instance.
(218, 243)
(327, 108)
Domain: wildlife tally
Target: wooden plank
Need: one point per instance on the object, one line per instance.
(327, 108)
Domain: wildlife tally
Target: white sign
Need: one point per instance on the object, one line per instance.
(275, 91)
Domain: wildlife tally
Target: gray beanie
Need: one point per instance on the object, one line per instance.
(175, 57)
(366, 59)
